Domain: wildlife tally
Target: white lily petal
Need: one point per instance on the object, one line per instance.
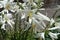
(54, 28)
(12, 10)
(57, 24)
(30, 20)
(43, 23)
(52, 21)
(5, 0)
(53, 35)
(38, 17)
(12, 22)
(23, 16)
(9, 23)
(25, 0)
(1, 6)
(6, 11)
(43, 16)
(9, 16)
(8, 0)
(3, 27)
(37, 22)
(11, 0)
(34, 4)
(41, 35)
(42, 9)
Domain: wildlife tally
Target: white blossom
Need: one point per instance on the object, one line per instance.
(53, 35)
(54, 28)
(52, 21)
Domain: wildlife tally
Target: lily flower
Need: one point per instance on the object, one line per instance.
(52, 35)
(7, 18)
(9, 5)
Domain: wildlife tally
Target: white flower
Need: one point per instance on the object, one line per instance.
(57, 24)
(28, 0)
(9, 5)
(41, 35)
(23, 16)
(34, 4)
(8, 0)
(7, 18)
(54, 28)
(3, 27)
(38, 24)
(52, 21)
(30, 20)
(14, 8)
(9, 15)
(42, 17)
(25, 0)
(5, 2)
(11, 0)
(9, 21)
(1, 6)
(4, 11)
(53, 35)
(36, 19)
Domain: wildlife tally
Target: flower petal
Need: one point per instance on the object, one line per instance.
(52, 21)
(54, 28)
(43, 16)
(3, 27)
(53, 35)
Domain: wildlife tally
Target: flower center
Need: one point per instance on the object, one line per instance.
(30, 14)
(7, 6)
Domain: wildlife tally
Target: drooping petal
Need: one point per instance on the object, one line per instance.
(54, 28)
(37, 23)
(41, 35)
(11, 0)
(9, 16)
(1, 6)
(43, 23)
(30, 20)
(57, 23)
(53, 35)
(25, 0)
(3, 27)
(23, 16)
(52, 21)
(9, 22)
(43, 16)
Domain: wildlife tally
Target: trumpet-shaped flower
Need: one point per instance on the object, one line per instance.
(7, 18)
(52, 35)
(9, 5)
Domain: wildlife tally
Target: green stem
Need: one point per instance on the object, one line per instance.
(17, 2)
(19, 5)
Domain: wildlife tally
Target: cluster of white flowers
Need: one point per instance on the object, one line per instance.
(30, 15)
